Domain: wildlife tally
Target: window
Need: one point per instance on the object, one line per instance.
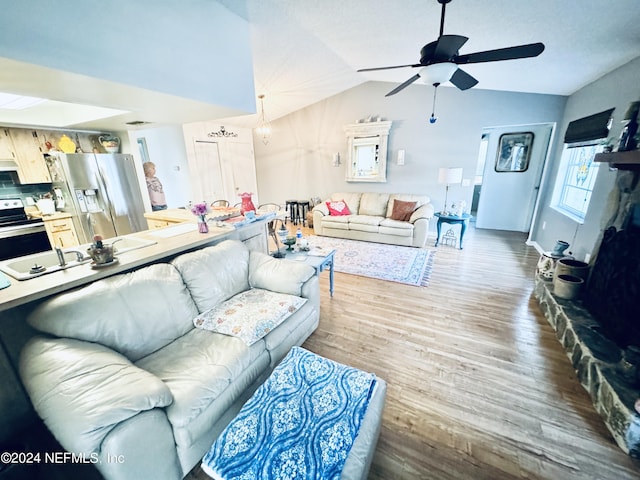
(575, 181)
(144, 152)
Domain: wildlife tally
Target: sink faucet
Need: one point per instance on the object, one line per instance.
(62, 261)
(79, 255)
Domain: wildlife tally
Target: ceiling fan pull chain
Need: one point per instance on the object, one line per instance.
(433, 118)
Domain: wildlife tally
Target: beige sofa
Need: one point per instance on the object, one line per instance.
(122, 372)
(371, 221)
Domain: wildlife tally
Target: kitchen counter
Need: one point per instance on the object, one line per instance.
(53, 216)
(171, 241)
(172, 215)
(179, 215)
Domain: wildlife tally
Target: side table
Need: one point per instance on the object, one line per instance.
(462, 220)
(319, 262)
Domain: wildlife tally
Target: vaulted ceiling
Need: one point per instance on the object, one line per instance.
(308, 50)
(305, 50)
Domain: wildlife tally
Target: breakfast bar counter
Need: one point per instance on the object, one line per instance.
(170, 241)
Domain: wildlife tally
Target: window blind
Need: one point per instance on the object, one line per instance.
(593, 127)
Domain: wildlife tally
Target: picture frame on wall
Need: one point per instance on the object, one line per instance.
(514, 152)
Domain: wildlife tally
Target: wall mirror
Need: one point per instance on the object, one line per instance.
(367, 151)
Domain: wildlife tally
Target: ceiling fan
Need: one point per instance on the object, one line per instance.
(439, 60)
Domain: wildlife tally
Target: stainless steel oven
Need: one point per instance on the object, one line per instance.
(20, 235)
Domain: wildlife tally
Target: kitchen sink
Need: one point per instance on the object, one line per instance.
(126, 244)
(30, 266)
(37, 264)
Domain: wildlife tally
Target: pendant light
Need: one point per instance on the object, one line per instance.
(264, 128)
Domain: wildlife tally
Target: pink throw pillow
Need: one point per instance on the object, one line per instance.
(338, 208)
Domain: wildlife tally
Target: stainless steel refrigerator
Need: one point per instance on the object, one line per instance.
(101, 191)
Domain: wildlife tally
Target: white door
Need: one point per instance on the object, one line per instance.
(242, 169)
(206, 172)
(511, 178)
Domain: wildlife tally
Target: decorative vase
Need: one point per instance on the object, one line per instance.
(546, 266)
(290, 242)
(202, 225)
(247, 204)
(559, 248)
(567, 286)
(110, 143)
(569, 266)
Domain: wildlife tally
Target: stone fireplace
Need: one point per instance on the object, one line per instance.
(600, 331)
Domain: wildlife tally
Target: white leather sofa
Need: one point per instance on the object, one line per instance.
(370, 219)
(122, 372)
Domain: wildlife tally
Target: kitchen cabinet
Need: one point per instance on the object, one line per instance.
(165, 218)
(61, 231)
(50, 139)
(6, 147)
(32, 167)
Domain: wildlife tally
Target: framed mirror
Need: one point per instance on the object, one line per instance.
(367, 151)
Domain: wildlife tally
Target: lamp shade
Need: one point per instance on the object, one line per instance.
(449, 176)
(437, 72)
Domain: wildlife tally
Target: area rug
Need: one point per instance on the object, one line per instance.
(378, 260)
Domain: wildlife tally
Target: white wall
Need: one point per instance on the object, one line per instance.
(616, 89)
(297, 162)
(235, 167)
(142, 45)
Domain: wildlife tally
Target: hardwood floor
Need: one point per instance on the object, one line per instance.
(478, 385)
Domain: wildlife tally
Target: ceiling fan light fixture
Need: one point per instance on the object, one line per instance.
(437, 72)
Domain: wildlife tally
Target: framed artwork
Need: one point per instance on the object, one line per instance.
(514, 151)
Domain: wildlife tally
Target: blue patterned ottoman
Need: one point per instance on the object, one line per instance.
(313, 418)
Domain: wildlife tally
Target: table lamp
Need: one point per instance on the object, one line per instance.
(449, 176)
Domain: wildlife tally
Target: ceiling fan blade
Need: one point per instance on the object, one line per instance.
(387, 68)
(463, 80)
(403, 85)
(509, 53)
(442, 50)
(448, 45)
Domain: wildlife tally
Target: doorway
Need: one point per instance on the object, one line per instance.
(511, 160)
(207, 183)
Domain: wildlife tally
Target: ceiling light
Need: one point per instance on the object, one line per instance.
(438, 72)
(10, 101)
(264, 128)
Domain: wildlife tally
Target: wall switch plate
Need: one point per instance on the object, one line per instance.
(400, 157)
